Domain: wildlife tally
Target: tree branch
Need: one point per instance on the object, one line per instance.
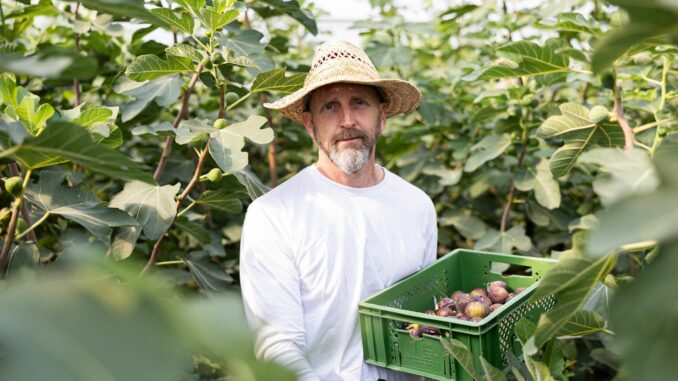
(11, 229)
(24, 208)
(272, 161)
(619, 112)
(511, 195)
(167, 149)
(180, 200)
(76, 82)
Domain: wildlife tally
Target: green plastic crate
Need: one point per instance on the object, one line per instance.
(387, 344)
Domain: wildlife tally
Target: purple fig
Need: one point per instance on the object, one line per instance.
(431, 330)
(445, 312)
(455, 295)
(478, 292)
(495, 307)
(509, 297)
(463, 301)
(498, 294)
(442, 302)
(477, 309)
(415, 331)
(497, 283)
(484, 299)
(519, 290)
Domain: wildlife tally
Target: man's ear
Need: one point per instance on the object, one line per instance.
(307, 119)
(382, 117)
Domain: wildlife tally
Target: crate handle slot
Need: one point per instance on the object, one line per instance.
(509, 270)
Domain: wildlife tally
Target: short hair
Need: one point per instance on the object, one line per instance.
(377, 89)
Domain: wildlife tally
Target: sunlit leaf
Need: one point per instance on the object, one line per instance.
(494, 240)
(540, 179)
(214, 20)
(76, 204)
(486, 149)
(163, 91)
(150, 66)
(224, 200)
(581, 323)
(275, 80)
(578, 132)
(152, 206)
(226, 144)
(525, 58)
(61, 142)
(622, 173)
(462, 354)
(183, 22)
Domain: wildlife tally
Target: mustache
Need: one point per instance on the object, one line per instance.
(350, 133)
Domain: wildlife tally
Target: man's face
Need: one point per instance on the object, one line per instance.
(346, 121)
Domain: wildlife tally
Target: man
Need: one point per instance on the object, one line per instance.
(338, 231)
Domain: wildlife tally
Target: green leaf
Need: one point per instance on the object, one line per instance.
(574, 22)
(152, 206)
(587, 222)
(191, 4)
(582, 322)
(193, 130)
(76, 204)
(275, 80)
(126, 8)
(622, 174)
(387, 55)
(540, 179)
(193, 229)
(448, 176)
(50, 62)
(291, 8)
(247, 43)
(469, 226)
(209, 276)
(462, 354)
(491, 373)
(183, 50)
(222, 5)
(524, 329)
(214, 20)
(578, 132)
(621, 224)
(67, 142)
(553, 359)
(493, 240)
(123, 241)
(93, 116)
(226, 144)
(23, 256)
(150, 66)
(33, 114)
(487, 149)
(160, 129)
(665, 156)
(182, 22)
(570, 281)
(163, 91)
(525, 58)
(648, 19)
(223, 200)
(646, 334)
(255, 188)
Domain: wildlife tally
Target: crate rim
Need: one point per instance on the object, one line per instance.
(366, 307)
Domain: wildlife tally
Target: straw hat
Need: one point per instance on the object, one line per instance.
(340, 61)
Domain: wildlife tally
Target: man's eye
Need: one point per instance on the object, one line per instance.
(328, 106)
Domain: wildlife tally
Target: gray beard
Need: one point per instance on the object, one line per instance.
(350, 160)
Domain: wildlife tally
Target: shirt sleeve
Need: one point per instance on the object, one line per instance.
(431, 252)
(271, 292)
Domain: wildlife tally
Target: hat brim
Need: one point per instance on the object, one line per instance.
(400, 97)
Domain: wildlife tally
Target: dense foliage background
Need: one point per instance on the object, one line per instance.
(544, 130)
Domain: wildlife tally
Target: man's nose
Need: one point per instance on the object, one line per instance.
(347, 117)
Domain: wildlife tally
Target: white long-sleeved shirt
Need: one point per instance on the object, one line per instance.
(311, 249)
